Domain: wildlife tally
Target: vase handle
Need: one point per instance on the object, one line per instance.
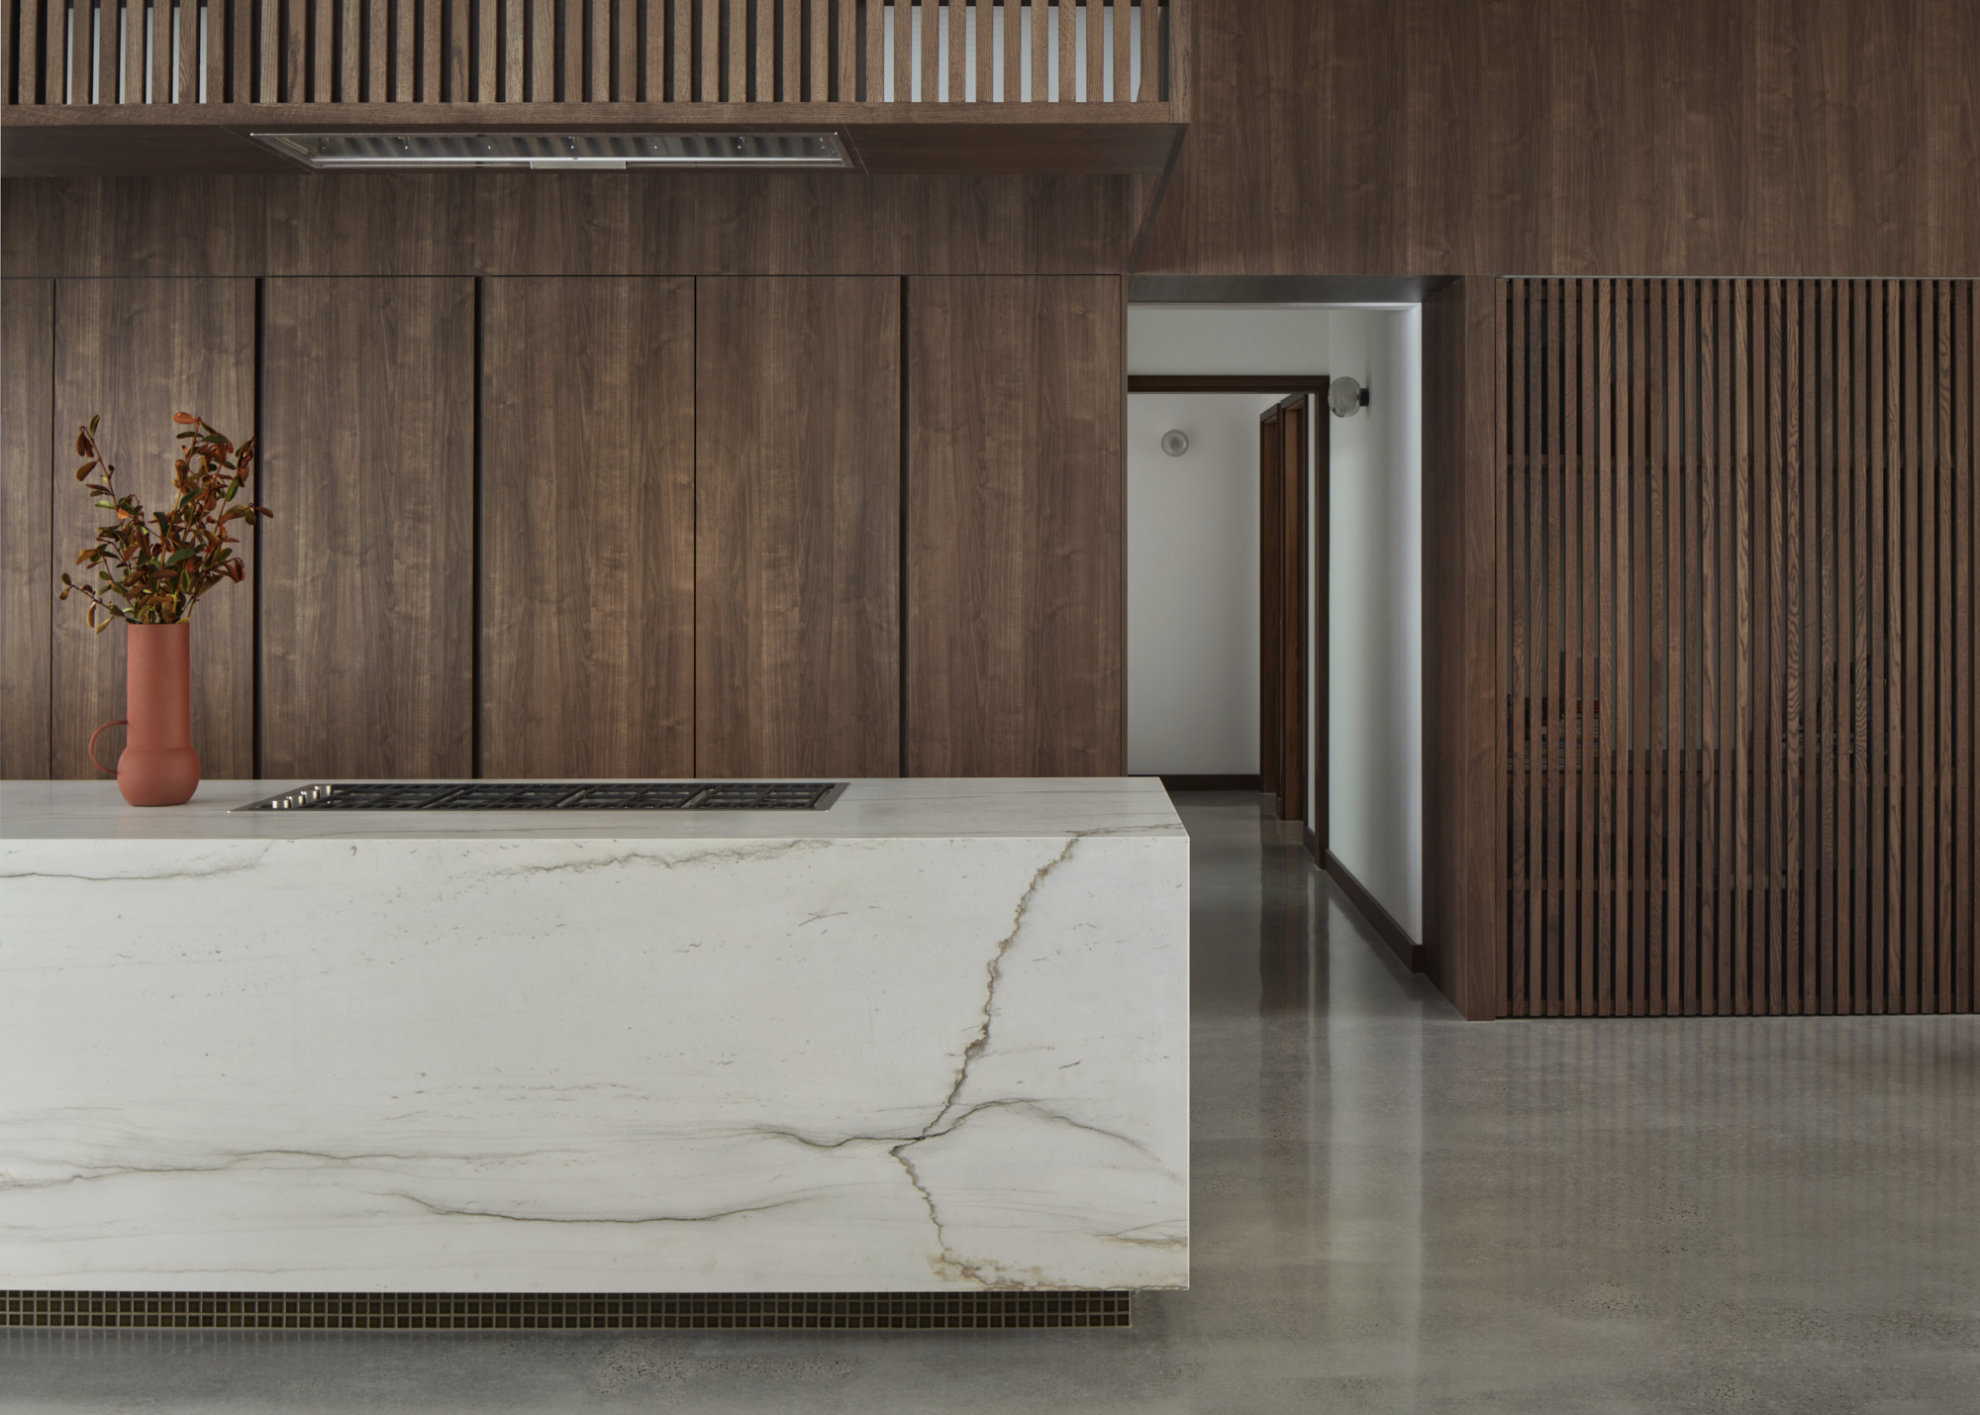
(106, 770)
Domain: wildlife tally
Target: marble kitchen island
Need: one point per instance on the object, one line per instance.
(933, 1038)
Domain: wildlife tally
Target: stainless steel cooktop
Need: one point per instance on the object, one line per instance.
(556, 796)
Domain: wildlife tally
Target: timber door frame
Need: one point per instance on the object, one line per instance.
(1285, 584)
(1292, 705)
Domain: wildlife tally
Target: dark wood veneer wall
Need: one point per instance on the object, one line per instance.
(581, 223)
(27, 573)
(1639, 137)
(1654, 137)
(1016, 515)
(797, 586)
(587, 527)
(600, 526)
(367, 581)
(1390, 137)
(1738, 579)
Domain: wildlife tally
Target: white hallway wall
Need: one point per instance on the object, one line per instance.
(1375, 644)
(1192, 570)
(1200, 339)
(1375, 796)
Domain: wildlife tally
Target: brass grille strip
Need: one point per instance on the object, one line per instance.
(677, 1311)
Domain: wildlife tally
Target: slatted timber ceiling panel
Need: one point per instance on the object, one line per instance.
(1739, 594)
(596, 51)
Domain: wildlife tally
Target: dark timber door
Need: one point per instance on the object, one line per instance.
(1271, 495)
(1017, 518)
(138, 351)
(587, 526)
(367, 567)
(797, 531)
(1283, 583)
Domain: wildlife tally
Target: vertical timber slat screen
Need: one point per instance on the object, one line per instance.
(95, 52)
(1739, 570)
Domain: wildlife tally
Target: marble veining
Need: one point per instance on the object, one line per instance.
(466, 1062)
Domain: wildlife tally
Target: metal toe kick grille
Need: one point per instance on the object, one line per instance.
(556, 796)
(634, 1311)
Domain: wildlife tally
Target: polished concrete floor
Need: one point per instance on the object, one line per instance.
(1394, 1211)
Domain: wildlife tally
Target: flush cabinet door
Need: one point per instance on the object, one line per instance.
(138, 351)
(587, 527)
(368, 564)
(27, 479)
(1016, 526)
(797, 550)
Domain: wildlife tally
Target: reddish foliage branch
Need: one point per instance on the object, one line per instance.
(158, 564)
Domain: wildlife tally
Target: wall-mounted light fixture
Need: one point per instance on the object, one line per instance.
(1175, 442)
(1345, 397)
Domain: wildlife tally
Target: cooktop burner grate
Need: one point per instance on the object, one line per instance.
(557, 796)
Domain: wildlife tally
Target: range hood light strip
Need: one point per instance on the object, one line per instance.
(551, 151)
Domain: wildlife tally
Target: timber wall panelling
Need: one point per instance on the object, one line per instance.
(27, 483)
(491, 500)
(587, 528)
(1739, 574)
(367, 578)
(1016, 514)
(138, 351)
(1658, 137)
(797, 542)
(566, 223)
(1464, 793)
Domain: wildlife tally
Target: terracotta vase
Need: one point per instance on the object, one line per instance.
(158, 766)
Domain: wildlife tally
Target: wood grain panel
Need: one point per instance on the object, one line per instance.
(1067, 87)
(160, 49)
(1295, 586)
(1011, 14)
(878, 20)
(587, 528)
(29, 466)
(1092, 15)
(1796, 715)
(797, 548)
(1016, 527)
(1038, 62)
(138, 351)
(680, 88)
(1467, 605)
(982, 24)
(1150, 17)
(1271, 596)
(713, 223)
(1664, 137)
(367, 570)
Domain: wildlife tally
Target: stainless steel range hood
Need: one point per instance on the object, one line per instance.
(560, 151)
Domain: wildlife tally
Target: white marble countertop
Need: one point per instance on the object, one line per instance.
(933, 1038)
(947, 808)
